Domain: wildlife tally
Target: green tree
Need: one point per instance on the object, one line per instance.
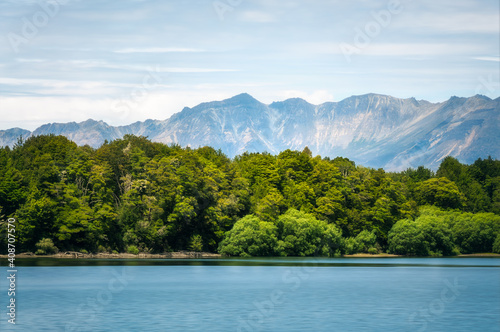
(496, 245)
(406, 238)
(474, 233)
(250, 236)
(427, 235)
(46, 246)
(440, 192)
(366, 241)
(196, 243)
(301, 234)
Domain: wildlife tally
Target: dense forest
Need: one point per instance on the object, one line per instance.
(134, 195)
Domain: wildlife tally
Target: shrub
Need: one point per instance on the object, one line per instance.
(301, 234)
(428, 235)
(366, 240)
(351, 246)
(250, 236)
(196, 243)
(132, 250)
(46, 246)
(101, 248)
(474, 233)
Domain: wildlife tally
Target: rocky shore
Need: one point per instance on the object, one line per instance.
(74, 254)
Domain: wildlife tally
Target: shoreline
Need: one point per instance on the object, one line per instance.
(479, 255)
(79, 255)
(372, 256)
(205, 255)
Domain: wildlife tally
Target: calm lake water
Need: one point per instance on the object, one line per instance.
(378, 294)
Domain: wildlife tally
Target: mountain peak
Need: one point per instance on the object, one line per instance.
(291, 102)
(372, 129)
(242, 98)
(91, 122)
(481, 97)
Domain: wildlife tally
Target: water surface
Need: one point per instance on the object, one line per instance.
(277, 294)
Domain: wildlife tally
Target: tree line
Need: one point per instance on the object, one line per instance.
(135, 195)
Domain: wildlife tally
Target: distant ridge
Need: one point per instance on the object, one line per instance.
(373, 130)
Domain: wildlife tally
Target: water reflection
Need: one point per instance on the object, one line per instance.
(271, 261)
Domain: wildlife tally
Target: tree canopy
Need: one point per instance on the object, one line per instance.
(134, 193)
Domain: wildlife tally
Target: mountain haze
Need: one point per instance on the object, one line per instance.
(373, 130)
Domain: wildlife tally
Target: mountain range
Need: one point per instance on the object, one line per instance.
(373, 130)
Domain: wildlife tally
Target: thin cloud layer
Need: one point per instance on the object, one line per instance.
(76, 59)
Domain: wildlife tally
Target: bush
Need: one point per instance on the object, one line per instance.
(301, 234)
(101, 249)
(296, 234)
(475, 233)
(439, 233)
(250, 236)
(424, 236)
(373, 251)
(196, 243)
(132, 250)
(366, 240)
(351, 246)
(46, 246)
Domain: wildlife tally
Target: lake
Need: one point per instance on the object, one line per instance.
(277, 294)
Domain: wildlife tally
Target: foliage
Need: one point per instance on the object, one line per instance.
(475, 233)
(440, 192)
(132, 250)
(301, 234)
(438, 232)
(250, 236)
(295, 234)
(496, 245)
(350, 246)
(46, 246)
(366, 241)
(134, 193)
(196, 243)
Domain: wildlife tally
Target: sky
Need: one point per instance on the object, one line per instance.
(123, 61)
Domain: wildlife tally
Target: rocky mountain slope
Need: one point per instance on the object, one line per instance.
(373, 130)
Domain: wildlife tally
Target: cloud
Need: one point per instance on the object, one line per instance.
(488, 58)
(451, 22)
(92, 63)
(22, 60)
(53, 83)
(79, 88)
(257, 17)
(391, 49)
(160, 50)
(422, 49)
